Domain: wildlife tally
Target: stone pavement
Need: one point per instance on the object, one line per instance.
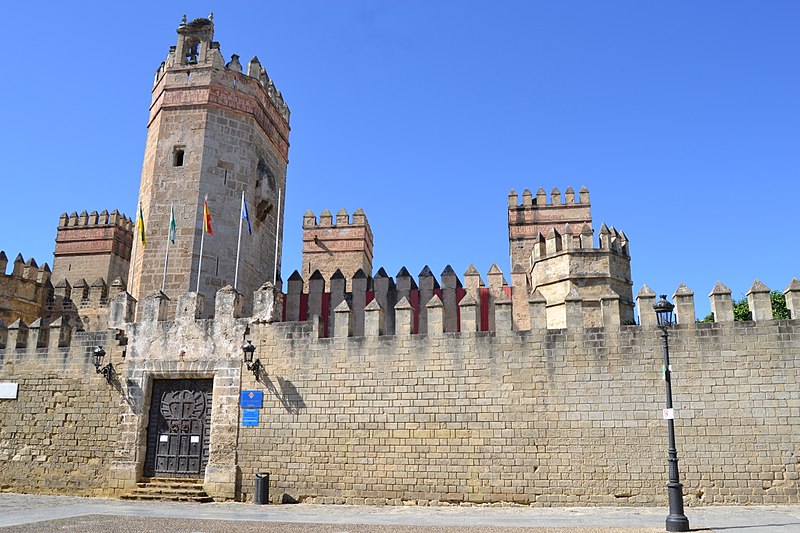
(27, 513)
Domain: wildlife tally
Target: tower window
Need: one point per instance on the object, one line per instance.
(226, 168)
(177, 157)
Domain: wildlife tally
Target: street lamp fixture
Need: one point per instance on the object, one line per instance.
(676, 520)
(97, 356)
(253, 366)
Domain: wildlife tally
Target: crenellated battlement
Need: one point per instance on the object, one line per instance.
(93, 219)
(342, 220)
(24, 290)
(555, 199)
(382, 306)
(580, 241)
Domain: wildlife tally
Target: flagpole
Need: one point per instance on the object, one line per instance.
(202, 238)
(166, 257)
(134, 247)
(277, 236)
(238, 244)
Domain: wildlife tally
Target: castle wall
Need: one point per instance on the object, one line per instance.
(20, 299)
(545, 417)
(59, 434)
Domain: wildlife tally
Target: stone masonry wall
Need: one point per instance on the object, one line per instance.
(59, 435)
(543, 417)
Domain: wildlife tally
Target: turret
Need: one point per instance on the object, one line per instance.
(551, 238)
(345, 245)
(526, 220)
(93, 245)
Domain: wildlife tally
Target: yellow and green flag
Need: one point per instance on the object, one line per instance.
(140, 225)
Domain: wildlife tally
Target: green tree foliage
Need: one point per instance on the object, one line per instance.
(779, 309)
(741, 310)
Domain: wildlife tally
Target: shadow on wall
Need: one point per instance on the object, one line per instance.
(133, 395)
(286, 393)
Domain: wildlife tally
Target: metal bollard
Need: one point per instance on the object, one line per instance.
(261, 493)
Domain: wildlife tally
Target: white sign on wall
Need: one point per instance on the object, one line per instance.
(8, 391)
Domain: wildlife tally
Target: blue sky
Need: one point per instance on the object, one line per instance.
(682, 119)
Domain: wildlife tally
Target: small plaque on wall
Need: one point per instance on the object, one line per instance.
(249, 417)
(8, 391)
(252, 399)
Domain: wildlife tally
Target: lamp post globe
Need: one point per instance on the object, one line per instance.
(664, 314)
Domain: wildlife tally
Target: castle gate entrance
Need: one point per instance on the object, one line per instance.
(179, 428)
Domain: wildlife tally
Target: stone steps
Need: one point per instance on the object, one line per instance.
(173, 490)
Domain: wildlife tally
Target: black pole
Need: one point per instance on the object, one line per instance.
(676, 520)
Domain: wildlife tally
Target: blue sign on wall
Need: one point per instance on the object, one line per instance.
(252, 399)
(249, 417)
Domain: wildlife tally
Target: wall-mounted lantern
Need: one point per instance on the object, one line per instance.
(253, 366)
(97, 356)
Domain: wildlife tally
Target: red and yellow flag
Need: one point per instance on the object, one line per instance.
(206, 217)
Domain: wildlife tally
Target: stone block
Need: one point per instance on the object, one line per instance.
(373, 319)
(645, 301)
(721, 303)
(154, 307)
(190, 307)
(228, 304)
(268, 304)
(759, 301)
(684, 305)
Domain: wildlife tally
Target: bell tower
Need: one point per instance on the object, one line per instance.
(214, 130)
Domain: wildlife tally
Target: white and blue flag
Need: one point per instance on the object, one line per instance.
(246, 215)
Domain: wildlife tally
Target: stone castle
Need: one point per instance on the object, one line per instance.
(359, 387)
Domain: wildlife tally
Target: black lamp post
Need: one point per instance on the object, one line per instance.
(676, 520)
(252, 366)
(97, 356)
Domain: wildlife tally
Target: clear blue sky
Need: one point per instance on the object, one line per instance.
(682, 119)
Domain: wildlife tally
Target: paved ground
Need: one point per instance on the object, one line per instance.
(29, 513)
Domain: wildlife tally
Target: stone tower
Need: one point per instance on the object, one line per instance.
(534, 216)
(218, 131)
(346, 246)
(555, 256)
(91, 246)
